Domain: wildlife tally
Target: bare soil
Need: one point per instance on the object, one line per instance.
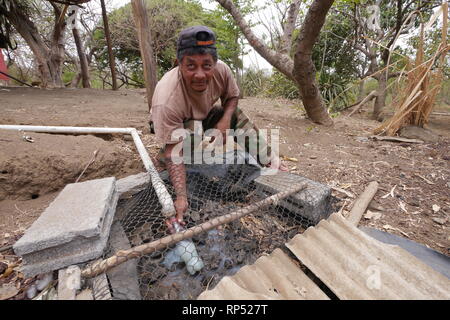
(32, 173)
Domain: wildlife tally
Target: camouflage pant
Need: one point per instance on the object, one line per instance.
(249, 137)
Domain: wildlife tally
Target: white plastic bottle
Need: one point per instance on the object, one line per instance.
(187, 252)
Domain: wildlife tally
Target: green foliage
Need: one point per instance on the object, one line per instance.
(280, 86)
(254, 82)
(167, 18)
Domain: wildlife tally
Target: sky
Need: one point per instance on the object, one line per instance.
(251, 59)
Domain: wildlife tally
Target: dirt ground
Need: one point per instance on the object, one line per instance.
(413, 199)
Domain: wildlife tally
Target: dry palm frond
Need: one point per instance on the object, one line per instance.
(416, 100)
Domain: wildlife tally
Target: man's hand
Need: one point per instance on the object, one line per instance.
(277, 164)
(181, 206)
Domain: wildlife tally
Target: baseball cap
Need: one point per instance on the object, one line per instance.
(197, 36)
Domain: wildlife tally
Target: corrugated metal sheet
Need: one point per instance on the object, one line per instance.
(356, 266)
(352, 264)
(271, 277)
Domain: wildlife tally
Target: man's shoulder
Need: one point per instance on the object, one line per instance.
(166, 88)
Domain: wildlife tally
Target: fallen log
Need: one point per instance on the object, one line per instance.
(361, 204)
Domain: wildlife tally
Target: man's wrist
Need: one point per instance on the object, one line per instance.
(181, 195)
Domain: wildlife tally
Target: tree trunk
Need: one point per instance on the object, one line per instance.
(380, 100)
(57, 53)
(49, 59)
(145, 44)
(83, 59)
(361, 90)
(304, 70)
(112, 64)
(301, 70)
(289, 27)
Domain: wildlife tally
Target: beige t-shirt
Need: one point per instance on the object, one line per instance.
(173, 102)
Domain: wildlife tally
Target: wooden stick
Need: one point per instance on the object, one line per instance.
(136, 252)
(395, 139)
(369, 97)
(362, 203)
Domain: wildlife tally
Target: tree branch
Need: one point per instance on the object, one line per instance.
(280, 61)
(289, 26)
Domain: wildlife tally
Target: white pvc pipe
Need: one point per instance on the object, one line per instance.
(164, 197)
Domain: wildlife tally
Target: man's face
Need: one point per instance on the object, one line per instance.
(197, 70)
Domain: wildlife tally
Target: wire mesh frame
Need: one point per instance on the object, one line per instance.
(213, 191)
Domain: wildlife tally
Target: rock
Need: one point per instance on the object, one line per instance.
(44, 281)
(440, 221)
(414, 202)
(436, 208)
(370, 215)
(362, 139)
(414, 132)
(31, 291)
(69, 281)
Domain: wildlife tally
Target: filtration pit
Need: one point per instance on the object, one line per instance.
(213, 191)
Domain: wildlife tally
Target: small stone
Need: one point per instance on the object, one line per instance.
(313, 157)
(372, 215)
(31, 292)
(44, 281)
(436, 208)
(414, 203)
(440, 221)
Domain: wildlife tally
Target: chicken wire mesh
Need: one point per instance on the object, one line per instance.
(184, 269)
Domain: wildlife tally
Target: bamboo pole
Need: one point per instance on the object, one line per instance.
(112, 64)
(136, 252)
(145, 45)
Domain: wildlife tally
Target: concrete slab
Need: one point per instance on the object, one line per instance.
(78, 211)
(312, 204)
(73, 229)
(123, 278)
(100, 287)
(132, 184)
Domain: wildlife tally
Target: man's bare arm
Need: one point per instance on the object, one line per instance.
(177, 174)
(224, 123)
